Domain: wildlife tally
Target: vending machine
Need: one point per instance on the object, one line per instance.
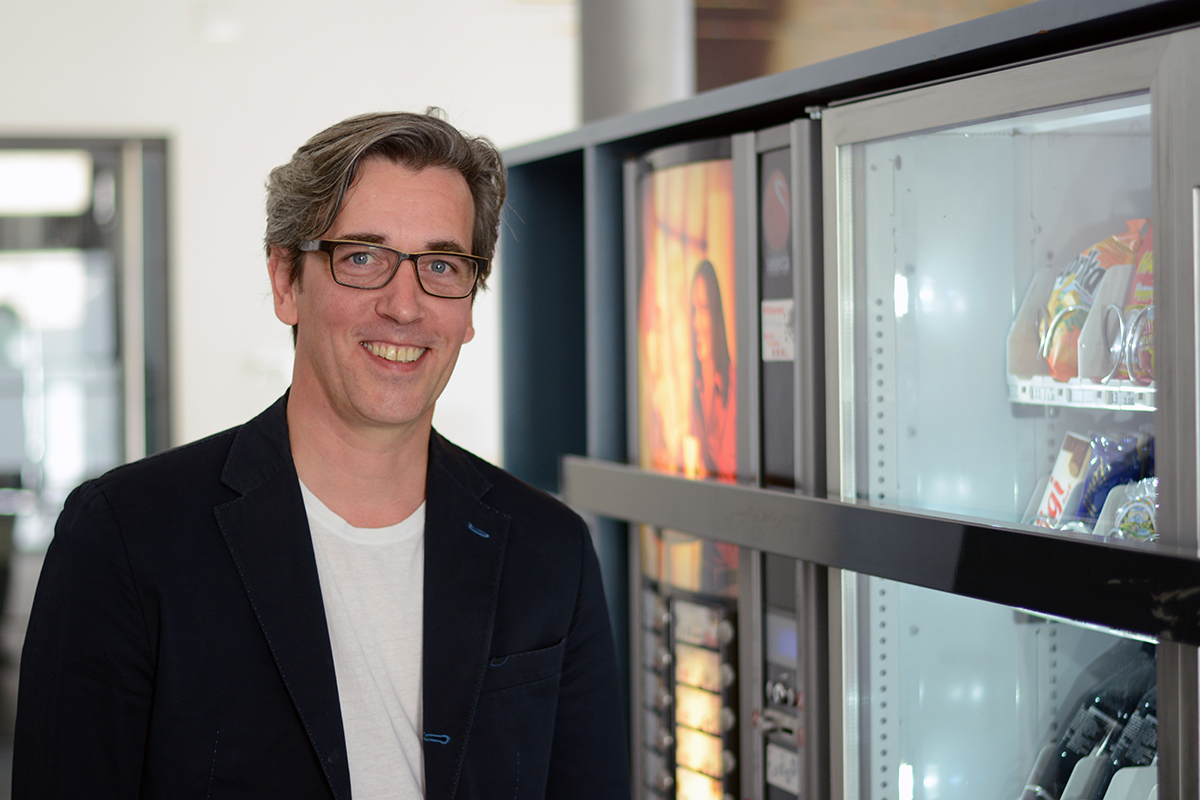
(724, 312)
(1010, 330)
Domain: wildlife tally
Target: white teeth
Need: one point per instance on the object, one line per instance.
(393, 353)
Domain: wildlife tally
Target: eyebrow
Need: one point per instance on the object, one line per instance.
(436, 245)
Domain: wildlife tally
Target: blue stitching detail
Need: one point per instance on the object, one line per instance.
(475, 530)
(212, 769)
(437, 738)
(496, 662)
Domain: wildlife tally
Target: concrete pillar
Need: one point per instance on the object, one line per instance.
(635, 54)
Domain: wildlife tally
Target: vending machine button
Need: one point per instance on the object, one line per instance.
(728, 718)
(662, 658)
(728, 676)
(728, 761)
(725, 632)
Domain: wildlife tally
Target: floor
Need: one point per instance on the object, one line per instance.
(22, 582)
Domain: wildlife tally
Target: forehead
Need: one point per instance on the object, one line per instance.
(388, 199)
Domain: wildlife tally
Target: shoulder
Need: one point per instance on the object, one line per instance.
(187, 464)
(227, 463)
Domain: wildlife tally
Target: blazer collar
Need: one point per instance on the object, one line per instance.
(266, 531)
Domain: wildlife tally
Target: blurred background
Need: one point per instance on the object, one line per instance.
(135, 138)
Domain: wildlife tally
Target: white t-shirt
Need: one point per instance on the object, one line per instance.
(372, 582)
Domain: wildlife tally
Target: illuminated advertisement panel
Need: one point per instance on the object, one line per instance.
(687, 348)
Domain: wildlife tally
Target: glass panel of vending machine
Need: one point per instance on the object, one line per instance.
(1005, 319)
(958, 698)
(992, 251)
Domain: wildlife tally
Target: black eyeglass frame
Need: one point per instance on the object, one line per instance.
(327, 245)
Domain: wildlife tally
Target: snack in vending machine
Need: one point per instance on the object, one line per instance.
(1071, 297)
(1137, 746)
(1139, 315)
(1096, 725)
(1068, 471)
(1135, 518)
(1113, 462)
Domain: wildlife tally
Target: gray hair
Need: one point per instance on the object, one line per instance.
(305, 195)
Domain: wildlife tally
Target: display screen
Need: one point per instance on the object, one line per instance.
(780, 644)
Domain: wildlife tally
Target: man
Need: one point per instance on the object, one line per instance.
(332, 600)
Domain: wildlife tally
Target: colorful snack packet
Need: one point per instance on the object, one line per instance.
(1068, 471)
(1072, 295)
(1139, 315)
(1136, 517)
(1112, 463)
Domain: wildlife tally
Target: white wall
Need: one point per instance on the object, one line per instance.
(236, 86)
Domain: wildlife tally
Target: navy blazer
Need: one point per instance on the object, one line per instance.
(178, 646)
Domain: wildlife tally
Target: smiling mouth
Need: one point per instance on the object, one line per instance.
(391, 352)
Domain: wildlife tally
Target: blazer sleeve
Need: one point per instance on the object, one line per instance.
(589, 756)
(87, 664)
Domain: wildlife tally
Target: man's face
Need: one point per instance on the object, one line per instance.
(380, 357)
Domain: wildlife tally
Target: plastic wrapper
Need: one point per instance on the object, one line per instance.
(1113, 462)
(1072, 295)
(1136, 516)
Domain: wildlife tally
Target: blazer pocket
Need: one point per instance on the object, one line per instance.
(519, 668)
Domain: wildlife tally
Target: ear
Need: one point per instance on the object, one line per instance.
(470, 332)
(279, 268)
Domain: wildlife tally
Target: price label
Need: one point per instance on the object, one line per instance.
(1041, 394)
(778, 337)
(1123, 399)
(783, 769)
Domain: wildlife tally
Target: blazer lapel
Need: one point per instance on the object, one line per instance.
(266, 530)
(464, 555)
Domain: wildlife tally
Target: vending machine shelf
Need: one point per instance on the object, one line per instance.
(1117, 395)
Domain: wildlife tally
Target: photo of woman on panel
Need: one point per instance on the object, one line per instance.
(712, 424)
(687, 413)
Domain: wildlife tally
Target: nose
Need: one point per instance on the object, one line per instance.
(401, 299)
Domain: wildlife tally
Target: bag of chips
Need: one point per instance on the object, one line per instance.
(1136, 517)
(1113, 462)
(1139, 315)
(1072, 295)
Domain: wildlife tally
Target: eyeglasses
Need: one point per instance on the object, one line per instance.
(360, 265)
